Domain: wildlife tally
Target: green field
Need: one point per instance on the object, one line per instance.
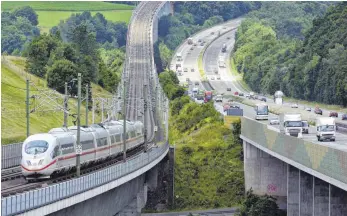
(13, 121)
(48, 19)
(51, 13)
(65, 5)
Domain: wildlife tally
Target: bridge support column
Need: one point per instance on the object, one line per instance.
(152, 178)
(311, 196)
(338, 201)
(321, 197)
(265, 174)
(135, 206)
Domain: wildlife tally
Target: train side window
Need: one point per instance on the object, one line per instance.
(55, 152)
(133, 134)
(67, 148)
(113, 139)
(118, 138)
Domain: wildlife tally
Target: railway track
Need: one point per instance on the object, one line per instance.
(10, 173)
(20, 188)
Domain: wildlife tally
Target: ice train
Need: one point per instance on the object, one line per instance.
(54, 152)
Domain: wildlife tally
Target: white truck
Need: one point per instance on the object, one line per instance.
(261, 111)
(278, 97)
(291, 124)
(326, 128)
(179, 57)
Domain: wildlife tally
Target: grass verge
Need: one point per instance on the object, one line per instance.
(45, 116)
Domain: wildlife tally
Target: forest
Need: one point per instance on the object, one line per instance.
(299, 48)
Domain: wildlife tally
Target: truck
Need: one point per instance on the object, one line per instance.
(195, 90)
(207, 96)
(200, 95)
(278, 97)
(291, 124)
(326, 128)
(179, 57)
(190, 41)
(224, 48)
(221, 62)
(251, 95)
(261, 111)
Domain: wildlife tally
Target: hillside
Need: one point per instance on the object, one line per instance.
(299, 52)
(13, 96)
(208, 156)
(51, 13)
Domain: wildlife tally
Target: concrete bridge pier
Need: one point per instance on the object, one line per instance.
(311, 196)
(265, 174)
(136, 204)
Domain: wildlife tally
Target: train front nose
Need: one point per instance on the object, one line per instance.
(35, 167)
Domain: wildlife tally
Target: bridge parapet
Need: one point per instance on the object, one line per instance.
(319, 160)
(35, 199)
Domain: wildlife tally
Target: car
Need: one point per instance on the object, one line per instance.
(218, 77)
(344, 116)
(187, 79)
(263, 99)
(192, 70)
(248, 96)
(274, 121)
(230, 100)
(202, 44)
(318, 111)
(235, 106)
(196, 83)
(226, 107)
(236, 93)
(188, 53)
(294, 105)
(185, 69)
(212, 78)
(228, 89)
(228, 38)
(215, 71)
(308, 109)
(333, 114)
(199, 40)
(219, 99)
(256, 97)
(305, 126)
(180, 74)
(241, 94)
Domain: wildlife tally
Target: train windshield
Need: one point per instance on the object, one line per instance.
(36, 147)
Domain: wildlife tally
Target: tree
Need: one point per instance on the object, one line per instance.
(39, 52)
(28, 13)
(60, 72)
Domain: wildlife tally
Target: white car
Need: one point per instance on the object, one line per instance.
(294, 105)
(274, 121)
(212, 78)
(308, 109)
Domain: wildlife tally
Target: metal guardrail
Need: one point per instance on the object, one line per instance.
(11, 155)
(34, 199)
(320, 158)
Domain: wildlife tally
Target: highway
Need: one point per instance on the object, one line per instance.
(210, 62)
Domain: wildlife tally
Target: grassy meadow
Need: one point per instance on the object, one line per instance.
(13, 96)
(51, 13)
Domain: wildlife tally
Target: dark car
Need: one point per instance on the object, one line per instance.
(263, 99)
(241, 94)
(344, 116)
(318, 111)
(333, 114)
(228, 89)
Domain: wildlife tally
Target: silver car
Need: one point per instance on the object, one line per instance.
(274, 121)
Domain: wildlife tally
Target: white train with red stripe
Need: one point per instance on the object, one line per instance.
(54, 152)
